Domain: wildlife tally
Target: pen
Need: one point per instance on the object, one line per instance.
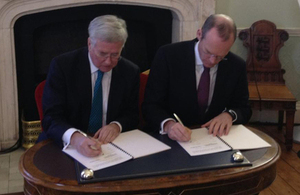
(178, 119)
(85, 135)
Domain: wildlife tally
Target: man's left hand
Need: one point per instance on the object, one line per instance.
(220, 125)
(107, 133)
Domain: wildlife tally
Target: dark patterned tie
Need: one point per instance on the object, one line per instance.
(203, 91)
(96, 113)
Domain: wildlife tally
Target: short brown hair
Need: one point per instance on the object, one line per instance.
(225, 29)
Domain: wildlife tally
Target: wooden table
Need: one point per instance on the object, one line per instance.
(58, 178)
(279, 98)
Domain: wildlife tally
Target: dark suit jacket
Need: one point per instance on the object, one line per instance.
(171, 87)
(67, 97)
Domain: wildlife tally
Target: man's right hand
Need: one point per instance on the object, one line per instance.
(177, 132)
(85, 145)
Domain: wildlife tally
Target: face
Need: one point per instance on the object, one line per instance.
(212, 49)
(105, 55)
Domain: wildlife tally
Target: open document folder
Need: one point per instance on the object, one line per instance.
(239, 138)
(128, 145)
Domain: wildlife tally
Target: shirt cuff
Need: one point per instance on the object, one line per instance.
(66, 138)
(119, 124)
(162, 132)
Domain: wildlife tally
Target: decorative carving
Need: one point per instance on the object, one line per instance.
(243, 35)
(263, 41)
(263, 50)
(290, 106)
(284, 35)
(268, 105)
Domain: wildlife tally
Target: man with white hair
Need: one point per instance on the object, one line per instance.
(92, 90)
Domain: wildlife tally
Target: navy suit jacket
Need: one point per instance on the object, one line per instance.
(67, 97)
(171, 87)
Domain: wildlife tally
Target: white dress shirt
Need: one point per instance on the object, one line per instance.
(199, 70)
(106, 79)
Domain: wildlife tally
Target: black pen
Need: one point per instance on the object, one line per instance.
(178, 119)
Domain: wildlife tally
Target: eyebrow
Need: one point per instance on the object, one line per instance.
(105, 53)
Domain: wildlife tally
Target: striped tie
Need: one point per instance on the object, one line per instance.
(96, 113)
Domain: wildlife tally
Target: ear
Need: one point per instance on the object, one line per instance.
(199, 34)
(89, 42)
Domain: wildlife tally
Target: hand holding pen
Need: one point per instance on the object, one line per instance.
(85, 144)
(177, 131)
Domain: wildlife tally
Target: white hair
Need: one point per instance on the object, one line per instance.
(108, 28)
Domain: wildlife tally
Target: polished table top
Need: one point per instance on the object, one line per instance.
(55, 171)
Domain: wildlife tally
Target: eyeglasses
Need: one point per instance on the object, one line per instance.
(104, 56)
(219, 58)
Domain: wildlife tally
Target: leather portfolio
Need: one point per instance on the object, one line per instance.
(173, 161)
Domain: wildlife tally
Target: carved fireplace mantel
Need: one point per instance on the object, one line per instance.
(188, 16)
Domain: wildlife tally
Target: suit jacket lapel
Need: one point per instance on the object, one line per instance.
(116, 90)
(190, 73)
(85, 87)
(188, 84)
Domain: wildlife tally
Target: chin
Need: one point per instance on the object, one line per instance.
(209, 65)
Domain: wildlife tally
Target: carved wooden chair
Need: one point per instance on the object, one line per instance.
(267, 88)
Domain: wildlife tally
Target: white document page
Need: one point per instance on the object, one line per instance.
(128, 145)
(110, 156)
(203, 143)
(139, 144)
(241, 138)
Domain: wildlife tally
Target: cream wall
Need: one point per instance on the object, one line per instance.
(286, 15)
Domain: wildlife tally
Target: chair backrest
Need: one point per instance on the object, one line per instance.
(38, 94)
(143, 82)
(263, 42)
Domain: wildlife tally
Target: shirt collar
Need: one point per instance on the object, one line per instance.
(92, 66)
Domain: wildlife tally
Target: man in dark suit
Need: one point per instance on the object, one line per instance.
(69, 93)
(174, 84)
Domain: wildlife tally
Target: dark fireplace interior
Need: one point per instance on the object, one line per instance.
(40, 37)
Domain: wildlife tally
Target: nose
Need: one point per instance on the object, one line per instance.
(108, 60)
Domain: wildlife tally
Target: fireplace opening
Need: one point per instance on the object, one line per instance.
(41, 36)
